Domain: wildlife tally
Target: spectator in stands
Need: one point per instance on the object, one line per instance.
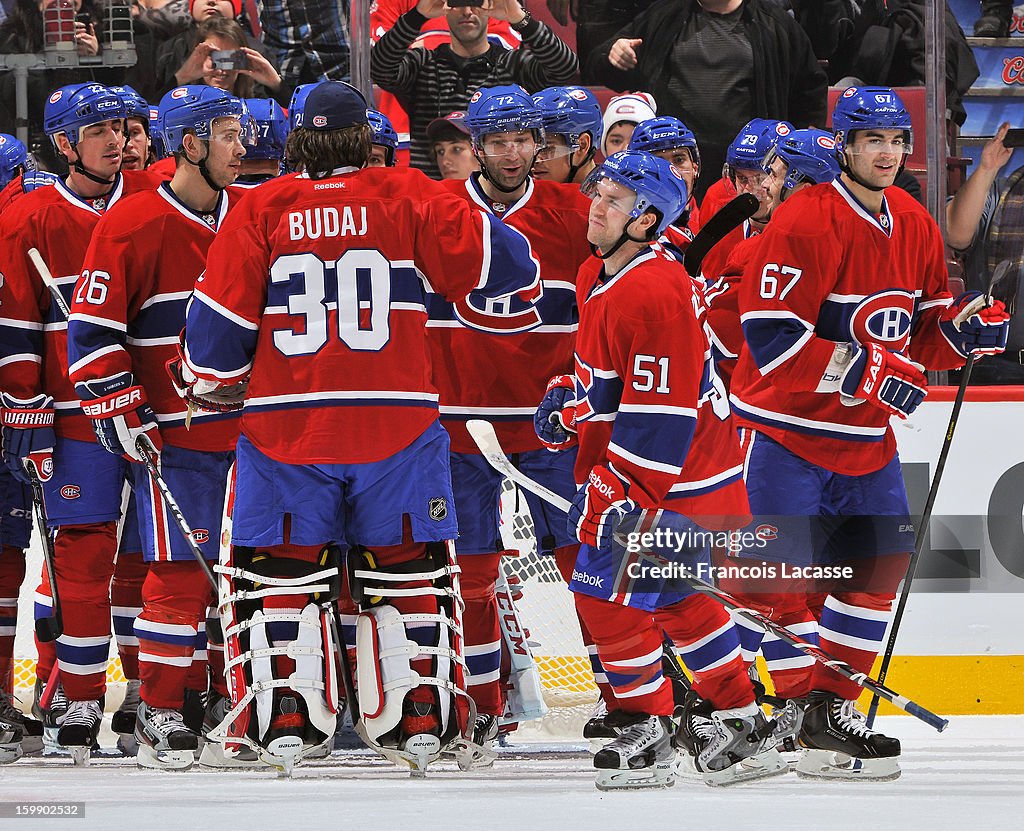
(995, 19)
(596, 21)
(985, 225)
(451, 145)
(22, 32)
(716, 64)
(165, 18)
(621, 116)
(307, 41)
(432, 83)
(218, 34)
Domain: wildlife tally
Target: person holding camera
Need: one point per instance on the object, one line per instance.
(431, 83)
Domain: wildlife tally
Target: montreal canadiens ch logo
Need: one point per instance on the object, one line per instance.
(201, 536)
(578, 94)
(827, 142)
(766, 532)
(782, 129)
(56, 96)
(71, 491)
(180, 92)
(319, 121)
(883, 318)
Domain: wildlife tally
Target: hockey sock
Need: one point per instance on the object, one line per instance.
(175, 596)
(709, 645)
(12, 574)
(482, 631)
(197, 677)
(125, 605)
(46, 652)
(630, 647)
(84, 565)
(215, 658)
(565, 559)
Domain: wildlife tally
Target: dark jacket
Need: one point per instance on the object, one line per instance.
(788, 82)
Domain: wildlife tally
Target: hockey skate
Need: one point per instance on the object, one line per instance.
(213, 754)
(729, 746)
(480, 752)
(50, 715)
(80, 729)
(840, 745)
(122, 721)
(597, 730)
(640, 756)
(31, 729)
(10, 742)
(165, 743)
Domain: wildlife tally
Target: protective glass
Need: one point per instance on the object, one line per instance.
(504, 144)
(611, 194)
(875, 145)
(558, 148)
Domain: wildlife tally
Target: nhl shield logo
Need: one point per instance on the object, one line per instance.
(437, 508)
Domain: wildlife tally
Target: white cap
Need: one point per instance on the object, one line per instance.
(634, 106)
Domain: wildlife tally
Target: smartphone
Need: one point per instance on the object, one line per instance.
(229, 59)
(81, 17)
(1014, 138)
(454, 4)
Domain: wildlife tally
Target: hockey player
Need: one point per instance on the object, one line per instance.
(264, 159)
(493, 361)
(844, 305)
(571, 117)
(798, 160)
(138, 148)
(18, 174)
(385, 140)
(129, 302)
(340, 404)
(668, 138)
(82, 485)
(651, 437)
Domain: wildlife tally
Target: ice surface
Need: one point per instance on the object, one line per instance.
(970, 778)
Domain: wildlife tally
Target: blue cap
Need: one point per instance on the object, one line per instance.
(334, 105)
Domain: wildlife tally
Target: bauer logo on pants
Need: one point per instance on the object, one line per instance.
(438, 508)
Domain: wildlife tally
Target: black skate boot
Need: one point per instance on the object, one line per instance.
(10, 742)
(729, 746)
(80, 729)
(165, 743)
(122, 721)
(213, 755)
(995, 19)
(841, 746)
(50, 716)
(640, 756)
(31, 729)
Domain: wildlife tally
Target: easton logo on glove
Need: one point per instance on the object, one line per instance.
(113, 404)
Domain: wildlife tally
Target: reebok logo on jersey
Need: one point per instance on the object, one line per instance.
(437, 508)
(588, 579)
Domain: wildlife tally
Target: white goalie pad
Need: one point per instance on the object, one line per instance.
(524, 697)
(384, 672)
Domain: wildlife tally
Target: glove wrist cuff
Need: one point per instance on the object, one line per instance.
(117, 403)
(27, 418)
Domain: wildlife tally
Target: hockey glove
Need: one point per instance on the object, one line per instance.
(119, 413)
(555, 419)
(886, 379)
(28, 436)
(207, 395)
(984, 329)
(598, 507)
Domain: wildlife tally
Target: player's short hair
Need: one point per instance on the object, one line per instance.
(318, 152)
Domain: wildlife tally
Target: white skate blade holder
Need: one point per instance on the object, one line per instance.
(762, 766)
(826, 764)
(659, 775)
(147, 757)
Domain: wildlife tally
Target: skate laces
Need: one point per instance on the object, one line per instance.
(85, 713)
(59, 702)
(852, 719)
(637, 735)
(8, 711)
(166, 721)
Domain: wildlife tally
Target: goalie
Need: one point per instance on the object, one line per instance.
(315, 293)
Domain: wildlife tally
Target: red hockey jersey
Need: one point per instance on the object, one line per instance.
(33, 330)
(649, 403)
(828, 271)
(129, 306)
(316, 291)
(494, 360)
(723, 301)
(716, 197)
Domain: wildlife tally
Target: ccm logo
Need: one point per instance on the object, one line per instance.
(201, 536)
(111, 406)
(71, 491)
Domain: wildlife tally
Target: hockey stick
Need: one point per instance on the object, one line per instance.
(148, 453)
(49, 282)
(486, 439)
(47, 628)
(732, 215)
(998, 276)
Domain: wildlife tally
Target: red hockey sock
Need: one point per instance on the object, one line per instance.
(12, 574)
(125, 605)
(482, 631)
(46, 653)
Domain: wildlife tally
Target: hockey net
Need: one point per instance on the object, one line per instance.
(547, 611)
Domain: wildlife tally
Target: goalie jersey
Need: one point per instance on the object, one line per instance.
(494, 360)
(316, 291)
(33, 331)
(827, 271)
(129, 309)
(649, 403)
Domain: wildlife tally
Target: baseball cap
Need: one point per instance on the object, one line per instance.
(634, 106)
(334, 105)
(453, 123)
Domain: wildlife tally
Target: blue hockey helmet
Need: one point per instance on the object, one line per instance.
(664, 133)
(810, 156)
(156, 143)
(193, 109)
(135, 105)
(656, 183)
(271, 129)
(14, 159)
(70, 108)
(570, 112)
(867, 108)
(502, 109)
(296, 107)
(383, 134)
(753, 142)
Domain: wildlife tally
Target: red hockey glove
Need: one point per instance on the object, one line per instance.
(555, 419)
(886, 379)
(598, 507)
(983, 329)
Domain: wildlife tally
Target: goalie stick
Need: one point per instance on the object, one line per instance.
(486, 439)
(732, 215)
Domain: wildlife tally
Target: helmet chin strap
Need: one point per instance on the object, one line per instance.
(575, 168)
(624, 237)
(204, 170)
(79, 168)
